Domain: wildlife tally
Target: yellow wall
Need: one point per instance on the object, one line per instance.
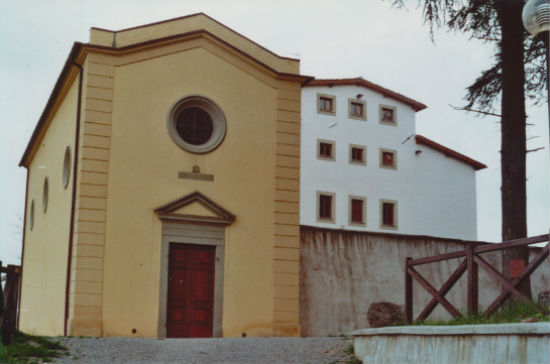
(46, 245)
(128, 166)
(143, 175)
(86, 286)
(191, 23)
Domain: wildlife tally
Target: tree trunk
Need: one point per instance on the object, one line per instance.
(513, 142)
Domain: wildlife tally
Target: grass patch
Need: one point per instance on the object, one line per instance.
(31, 349)
(347, 357)
(512, 311)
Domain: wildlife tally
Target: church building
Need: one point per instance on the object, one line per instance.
(162, 194)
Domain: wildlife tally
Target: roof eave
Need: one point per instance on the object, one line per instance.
(361, 82)
(73, 55)
(448, 152)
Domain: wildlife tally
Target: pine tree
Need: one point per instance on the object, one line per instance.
(519, 73)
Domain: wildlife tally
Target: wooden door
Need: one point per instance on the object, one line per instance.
(190, 290)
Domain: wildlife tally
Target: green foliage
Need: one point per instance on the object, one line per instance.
(482, 20)
(31, 349)
(347, 357)
(512, 311)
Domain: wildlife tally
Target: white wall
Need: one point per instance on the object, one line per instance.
(435, 194)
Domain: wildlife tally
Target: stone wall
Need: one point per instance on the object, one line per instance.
(343, 272)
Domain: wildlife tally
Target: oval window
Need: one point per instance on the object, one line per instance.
(66, 167)
(31, 215)
(45, 194)
(197, 124)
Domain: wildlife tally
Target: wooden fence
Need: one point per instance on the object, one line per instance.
(472, 261)
(9, 296)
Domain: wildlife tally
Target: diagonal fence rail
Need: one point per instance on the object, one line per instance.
(471, 263)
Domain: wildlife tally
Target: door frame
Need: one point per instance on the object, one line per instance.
(175, 232)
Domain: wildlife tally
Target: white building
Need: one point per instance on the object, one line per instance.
(363, 167)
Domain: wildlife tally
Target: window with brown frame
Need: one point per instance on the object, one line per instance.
(325, 150)
(357, 211)
(325, 104)
(325, 207)
(357, 154)
(388, 115)
(356, 109)
(388, 214)
(388, 158)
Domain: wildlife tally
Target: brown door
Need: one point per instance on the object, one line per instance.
(190, 290)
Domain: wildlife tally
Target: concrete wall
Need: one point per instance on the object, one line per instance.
(435, 195)
(47, 240)
(343, 272)
(469, 344)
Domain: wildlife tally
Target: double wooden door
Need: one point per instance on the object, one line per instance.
(191, 270)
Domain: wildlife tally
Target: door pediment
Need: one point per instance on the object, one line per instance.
(195, 207)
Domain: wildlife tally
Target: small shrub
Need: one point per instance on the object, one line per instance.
(31, 349)
(382, 314)
(512, 311)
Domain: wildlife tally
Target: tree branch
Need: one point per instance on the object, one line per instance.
(486, 39)
(472, 110)
(533, 150)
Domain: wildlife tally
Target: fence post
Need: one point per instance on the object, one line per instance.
(408, 293)
(472, 280)
(10, 309)
(1, 294)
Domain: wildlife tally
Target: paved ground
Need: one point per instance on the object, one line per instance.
(237, 350)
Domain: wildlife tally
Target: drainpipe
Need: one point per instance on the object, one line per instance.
(73, 201)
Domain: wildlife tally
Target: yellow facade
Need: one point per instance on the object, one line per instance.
(46, 242)
(128, 166)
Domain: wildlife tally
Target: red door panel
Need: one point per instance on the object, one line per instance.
(190, 290)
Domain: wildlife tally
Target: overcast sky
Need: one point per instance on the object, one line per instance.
(333, 39)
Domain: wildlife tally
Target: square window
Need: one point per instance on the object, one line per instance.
(357, 154)
(326, 149)
(357, 109)
(326, 104)
(388, 115)
(325, 207)
(388, 158)
(388, 211)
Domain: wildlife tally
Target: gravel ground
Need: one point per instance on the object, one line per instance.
(232, 350)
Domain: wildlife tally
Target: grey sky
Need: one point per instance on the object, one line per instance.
(333, 39)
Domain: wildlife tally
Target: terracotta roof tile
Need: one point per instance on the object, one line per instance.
(359, 81)
(449, 152)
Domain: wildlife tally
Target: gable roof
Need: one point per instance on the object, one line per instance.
(185, 24)
(359, 81)
(168, 211)
(178, 19)
(449, 152)
(182, 28)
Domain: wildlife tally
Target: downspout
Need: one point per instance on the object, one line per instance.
(73, 201)
(23, 248)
